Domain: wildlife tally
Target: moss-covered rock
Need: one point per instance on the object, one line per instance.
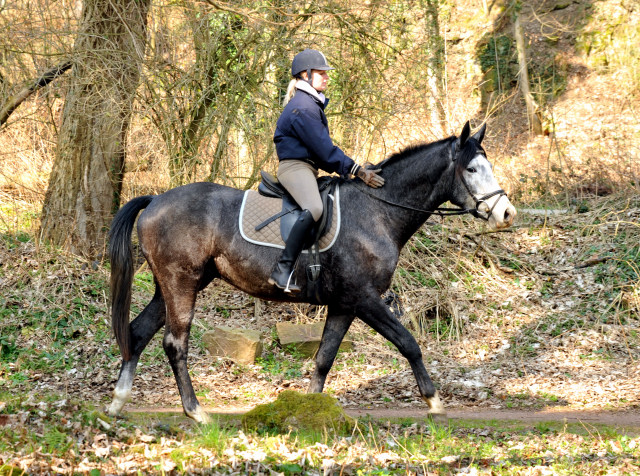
(298, 411)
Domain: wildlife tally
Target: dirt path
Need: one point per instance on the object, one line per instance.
(622, 418)
(626, 419)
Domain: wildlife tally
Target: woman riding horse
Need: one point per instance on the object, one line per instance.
(303, 146)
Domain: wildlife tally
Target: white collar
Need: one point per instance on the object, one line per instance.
(306, 87)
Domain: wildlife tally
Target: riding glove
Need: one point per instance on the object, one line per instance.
(370, 177)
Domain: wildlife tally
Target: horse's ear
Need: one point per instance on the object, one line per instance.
(480, 134)
(464, 136)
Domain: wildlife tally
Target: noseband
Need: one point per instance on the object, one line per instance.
(479, 201)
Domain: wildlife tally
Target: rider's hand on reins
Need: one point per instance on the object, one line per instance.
(371, 177)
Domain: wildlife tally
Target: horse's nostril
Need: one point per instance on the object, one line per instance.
(510, 215)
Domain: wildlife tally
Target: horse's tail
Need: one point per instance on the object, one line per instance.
(121, 256)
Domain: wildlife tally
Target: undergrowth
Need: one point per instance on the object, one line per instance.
(469, 295)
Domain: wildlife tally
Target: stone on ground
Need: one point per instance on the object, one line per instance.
(305, 338)
(299, 411)
(242, 346)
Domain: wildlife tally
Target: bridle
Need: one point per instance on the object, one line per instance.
(448, 211)
(479, 201)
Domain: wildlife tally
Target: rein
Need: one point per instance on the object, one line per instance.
(440, 211)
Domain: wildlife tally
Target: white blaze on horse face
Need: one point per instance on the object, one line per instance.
(481, 181)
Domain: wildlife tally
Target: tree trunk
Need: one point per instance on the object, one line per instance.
(435, 68)
(535, 124)
(86, 180)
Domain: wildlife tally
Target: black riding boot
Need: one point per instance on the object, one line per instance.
(283, 271)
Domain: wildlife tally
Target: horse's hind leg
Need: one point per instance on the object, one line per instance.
(143, 328)
(374, 313)
(335, 328)
(176, 345)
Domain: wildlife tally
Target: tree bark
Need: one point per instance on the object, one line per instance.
(86, 180)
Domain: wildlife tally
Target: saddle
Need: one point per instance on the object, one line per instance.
(322, 235)
(270, 187)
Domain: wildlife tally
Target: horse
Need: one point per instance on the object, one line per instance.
(189, 236)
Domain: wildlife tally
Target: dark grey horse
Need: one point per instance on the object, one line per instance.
(190, 235)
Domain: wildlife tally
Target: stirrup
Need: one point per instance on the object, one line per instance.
(288, 286)
(288, 289)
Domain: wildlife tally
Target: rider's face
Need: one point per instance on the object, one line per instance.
(319, 79)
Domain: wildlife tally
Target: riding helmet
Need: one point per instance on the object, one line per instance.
(307, 60)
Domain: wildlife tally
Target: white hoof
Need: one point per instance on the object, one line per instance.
(436, 408)
(120, 397)
(199, 415)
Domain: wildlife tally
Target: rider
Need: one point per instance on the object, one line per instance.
(303, 146)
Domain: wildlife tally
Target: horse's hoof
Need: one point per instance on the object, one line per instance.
(199, 415)
(115, 408)
(120, 398)
(435, 405)
(437, 413)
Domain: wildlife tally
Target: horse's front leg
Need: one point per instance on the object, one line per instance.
(176, 346)
(335, 328)
(143, 328)
(373, 312)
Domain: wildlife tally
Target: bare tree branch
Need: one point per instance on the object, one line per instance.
(12, 103)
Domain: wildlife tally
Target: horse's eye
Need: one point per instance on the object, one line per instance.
(471, 170)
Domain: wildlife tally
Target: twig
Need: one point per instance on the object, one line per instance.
(492, 257)
(586, 264)
(547, 272)
(592, 262)
(491, 232)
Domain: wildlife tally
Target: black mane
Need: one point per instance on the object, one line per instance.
(411, 150)
(469, 151)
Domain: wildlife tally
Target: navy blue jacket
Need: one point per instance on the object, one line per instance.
(302, 133)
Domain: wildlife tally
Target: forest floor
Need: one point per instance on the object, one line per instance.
(543, 316)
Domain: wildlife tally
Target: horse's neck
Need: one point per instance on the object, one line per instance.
(423, 192)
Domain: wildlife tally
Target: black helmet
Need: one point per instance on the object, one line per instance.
(307, 60)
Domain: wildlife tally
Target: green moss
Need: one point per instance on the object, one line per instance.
(7, 470)
(297, 411)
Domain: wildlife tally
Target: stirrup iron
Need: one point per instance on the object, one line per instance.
(286, 288)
